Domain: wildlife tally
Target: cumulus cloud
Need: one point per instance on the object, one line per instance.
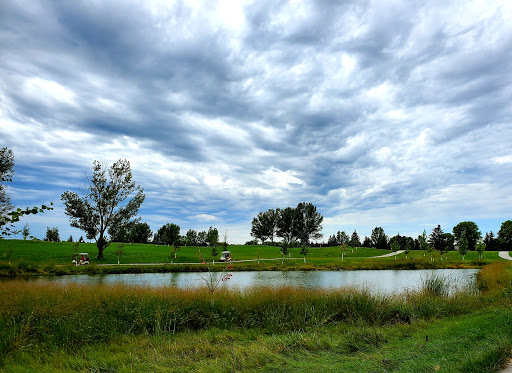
(228, 108)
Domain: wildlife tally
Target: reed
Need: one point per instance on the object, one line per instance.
(61, 316)
(495, 277)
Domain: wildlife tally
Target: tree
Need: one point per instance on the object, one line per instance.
(191, 237)
(304, 251)
(214, 252)
(103, 204)
(285, 250)
(168, 234)
(9, 216)
(308, 222)
(450, 241)
(422, 239)
(260, 229)
(473, 235)
(408, 247)
(331, 241)
(342, 238)
(119, 252)
(379, 239)
(70, 239)
(505, 234)
(343, 249)
(463, 244)
(395, 244)
(140, 232)
(264, 225)
(6, 173)
(354, 240)
(201, 238)
(491, 243)
(286, 224)
(480, 248)
(25, 231)
(52, 234)
(437, 239)
(212, 237)
(367, 242)
(174, 250)
(271, 217)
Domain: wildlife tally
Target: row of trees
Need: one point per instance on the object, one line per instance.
(292, 224)
(465, 236)
(169, 234)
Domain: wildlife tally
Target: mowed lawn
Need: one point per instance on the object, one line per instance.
(57, 253)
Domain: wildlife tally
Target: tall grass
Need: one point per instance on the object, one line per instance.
(495, 277)
(53, 315)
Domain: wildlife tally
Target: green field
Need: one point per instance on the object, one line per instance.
(25, 257)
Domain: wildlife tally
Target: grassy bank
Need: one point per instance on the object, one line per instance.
(114, 328)
(22, 258)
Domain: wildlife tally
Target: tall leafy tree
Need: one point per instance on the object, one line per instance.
(140, 232)
(168, 234)
(212, 237)
(505, 234)
(191, 237)
(379, 238)
(111, 198)
(261, 229)
(286, 224)
(52, 234)
(201, 238)
(308, 222)
(271, 217)
(473, 235)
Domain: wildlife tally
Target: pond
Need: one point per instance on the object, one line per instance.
(382, 281)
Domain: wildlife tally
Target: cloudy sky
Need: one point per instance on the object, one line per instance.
(382, 113)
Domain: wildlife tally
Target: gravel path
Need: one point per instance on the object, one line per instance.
(392, 254)
(505, 255)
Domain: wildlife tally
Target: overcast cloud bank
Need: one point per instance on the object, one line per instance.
(395, 114)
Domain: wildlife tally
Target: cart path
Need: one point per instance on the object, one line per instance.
(392, 254)
(505, 255)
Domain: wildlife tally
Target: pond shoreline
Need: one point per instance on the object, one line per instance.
(28, 270)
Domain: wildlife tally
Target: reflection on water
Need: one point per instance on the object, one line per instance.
(386, 281)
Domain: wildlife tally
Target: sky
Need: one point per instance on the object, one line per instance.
(381, 113)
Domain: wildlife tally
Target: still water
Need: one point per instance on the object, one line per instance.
(384, 281)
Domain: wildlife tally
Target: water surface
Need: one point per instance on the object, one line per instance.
(382, 281)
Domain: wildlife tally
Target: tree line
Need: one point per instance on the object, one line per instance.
(465, 237)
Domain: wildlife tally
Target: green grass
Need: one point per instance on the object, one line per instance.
(478, 343)
(56, 328)
(39, 257)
